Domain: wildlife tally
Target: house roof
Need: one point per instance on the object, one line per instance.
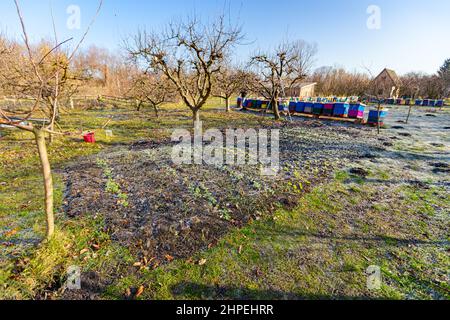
(303, 85)
(392, 74)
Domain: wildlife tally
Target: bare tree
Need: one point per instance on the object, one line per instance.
(289, 64)
(29, 73)
(444, 75)
(190, 53)
(228, 82)
(339, 82)
(154, 89)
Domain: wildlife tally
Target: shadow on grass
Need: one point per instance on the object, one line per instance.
(379, 240)
(199, 291)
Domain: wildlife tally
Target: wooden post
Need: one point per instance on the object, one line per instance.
(409, 113)
(378, 119)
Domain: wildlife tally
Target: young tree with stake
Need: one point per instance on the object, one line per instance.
(31, 73)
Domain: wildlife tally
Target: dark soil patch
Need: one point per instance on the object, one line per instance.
(441, 167)
(438, 145)
(397, 127)
(359, 172)
(92, 286)
(175, 211)
(404, 134)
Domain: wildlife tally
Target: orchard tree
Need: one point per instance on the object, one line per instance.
(281, 69)
(153, 89)
(228, 83)
(42, 75)
(444, 75)
(190, 54)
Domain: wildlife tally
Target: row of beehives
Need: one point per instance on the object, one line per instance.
(417, 102)
(335, 109)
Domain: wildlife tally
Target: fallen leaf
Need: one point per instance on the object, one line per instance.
(240, 249)
(139, 291)
(169, 257)
(137, 264)
(84, 251)
(96, 246)
(202, 262)
(10, 233)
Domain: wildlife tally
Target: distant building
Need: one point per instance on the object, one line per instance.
(387, 84)
(302, 90)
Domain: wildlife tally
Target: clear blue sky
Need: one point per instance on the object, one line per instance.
(414, 34)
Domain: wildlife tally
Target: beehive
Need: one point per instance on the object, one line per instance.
(292, 106)
(308, 107)
(374, 118)
(341, 109)
(300, 107)
(317, 108)
(356, 111)
(328, 109)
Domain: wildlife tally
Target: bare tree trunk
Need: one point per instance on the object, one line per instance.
(48, 181)
(155, 108)
(227, 104)
(138, 105)
(276, 112)
(196, 115)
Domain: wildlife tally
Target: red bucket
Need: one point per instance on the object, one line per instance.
(89, 137)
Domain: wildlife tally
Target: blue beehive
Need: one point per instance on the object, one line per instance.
(440, 103)
(292, 106)
(432, 103)
(300, 107)
(374, 118)
(317, 108)
(425, 102)
(418, 102)
(341, 109)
